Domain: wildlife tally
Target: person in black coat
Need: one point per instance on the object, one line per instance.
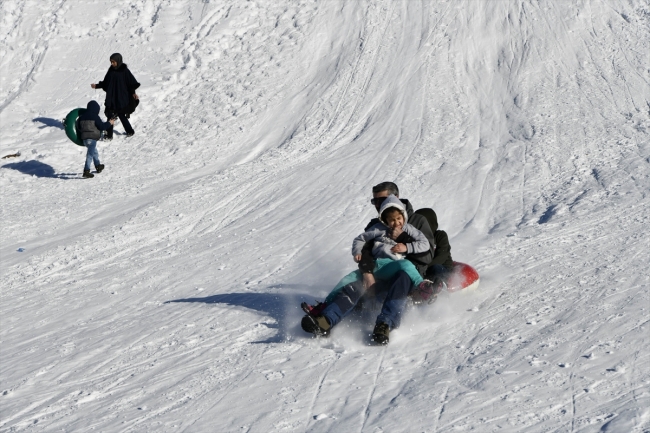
(121, 99)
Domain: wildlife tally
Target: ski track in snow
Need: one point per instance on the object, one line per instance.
(163, 295)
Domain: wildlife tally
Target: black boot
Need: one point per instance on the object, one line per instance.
(99, 168)
(380, 334)
(88, 174)
(318, 326)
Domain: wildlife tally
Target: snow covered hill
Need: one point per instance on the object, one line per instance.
(163, 295)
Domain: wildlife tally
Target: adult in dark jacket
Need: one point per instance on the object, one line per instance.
(441, 264)
(439, 261)
(89, 127)
(121, 99)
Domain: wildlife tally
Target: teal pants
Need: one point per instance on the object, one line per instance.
(385, 269)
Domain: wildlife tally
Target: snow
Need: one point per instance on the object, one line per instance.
(163, 295)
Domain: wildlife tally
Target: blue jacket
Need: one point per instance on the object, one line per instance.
(90, 124)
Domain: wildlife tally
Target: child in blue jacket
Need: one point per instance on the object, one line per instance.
(89, 127)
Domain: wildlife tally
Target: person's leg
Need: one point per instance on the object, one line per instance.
(91, 152)
(126, 124)
(391, 311)
(438, 271)
(367, 266)
(387, 269)
(109, 115)
(343, 303)
(427, 292)
(349, 278)
(95, 155)
(318, 321)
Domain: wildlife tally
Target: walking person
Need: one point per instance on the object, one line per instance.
(121, 99)
(89, 127)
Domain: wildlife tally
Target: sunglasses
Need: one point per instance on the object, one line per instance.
(378, 201)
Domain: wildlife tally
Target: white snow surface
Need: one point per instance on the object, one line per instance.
(163, 295)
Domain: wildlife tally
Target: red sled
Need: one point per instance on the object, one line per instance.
(463, 276)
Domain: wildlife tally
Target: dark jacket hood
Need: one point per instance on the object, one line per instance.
(431, 217)
(429, 214)
(93, 107)
(118, 59)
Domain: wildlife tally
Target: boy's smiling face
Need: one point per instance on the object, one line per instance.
(394, 219)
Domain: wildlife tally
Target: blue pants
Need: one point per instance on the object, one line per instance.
(395, 301)
(385, 269)
(91, 155)
(343, 301)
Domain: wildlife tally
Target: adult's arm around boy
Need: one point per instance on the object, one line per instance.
(442, 254)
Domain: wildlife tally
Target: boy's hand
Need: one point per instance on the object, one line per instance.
(394, 233)
(399, 248)
(93, 85)
(111, 121)
(357, 258)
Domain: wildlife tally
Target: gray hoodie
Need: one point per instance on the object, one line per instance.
(383, 243)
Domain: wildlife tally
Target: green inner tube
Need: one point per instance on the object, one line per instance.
(71, 125)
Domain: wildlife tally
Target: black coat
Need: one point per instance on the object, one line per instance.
(119, 85)
(442, 252)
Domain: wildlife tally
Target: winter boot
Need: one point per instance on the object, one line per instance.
(313, 310)
(99, 168)
(427, 291)
(319, 326)
(88, 174)
(380, 334)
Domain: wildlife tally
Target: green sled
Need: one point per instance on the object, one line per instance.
(71, 125)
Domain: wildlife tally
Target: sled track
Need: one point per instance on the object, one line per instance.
(41, 49)
(366, 412)
(317, 391)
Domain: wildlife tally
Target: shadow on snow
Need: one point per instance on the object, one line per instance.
(47, 122)
(283, 308)
(38, 169)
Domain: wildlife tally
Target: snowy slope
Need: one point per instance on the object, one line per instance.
(163, 295)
